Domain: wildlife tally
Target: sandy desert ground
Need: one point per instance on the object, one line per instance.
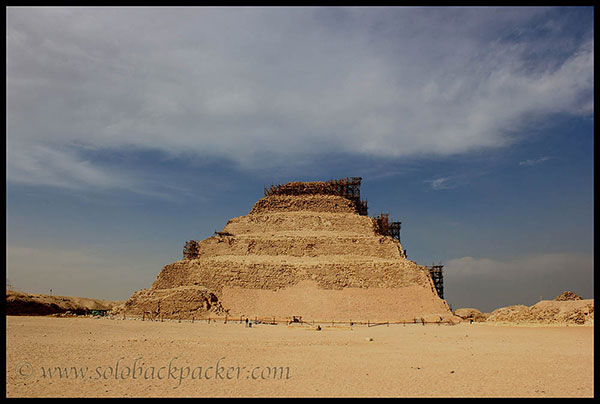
(100, 357)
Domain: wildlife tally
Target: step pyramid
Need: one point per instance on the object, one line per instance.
(307, 249)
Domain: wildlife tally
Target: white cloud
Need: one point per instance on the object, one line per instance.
(441, 183)
(248, 83)
(453, 181)
(40, 165)
(534, 162)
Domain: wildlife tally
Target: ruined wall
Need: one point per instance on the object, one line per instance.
(178, 302)
(299, 246)
(265, 273)
(290, 222)
(312, 203)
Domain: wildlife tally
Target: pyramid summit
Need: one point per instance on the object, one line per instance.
(305, 249)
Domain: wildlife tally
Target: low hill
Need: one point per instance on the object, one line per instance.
(29, 304)
(547, 312)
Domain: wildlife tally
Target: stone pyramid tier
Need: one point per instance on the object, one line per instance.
(315, 256)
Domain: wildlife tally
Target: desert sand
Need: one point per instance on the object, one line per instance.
(464, 360)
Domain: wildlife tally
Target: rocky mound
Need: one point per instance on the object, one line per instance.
(23, 304)
(173, 303)
(301, 251)
(568, 295)
(469, 314)
(547, 312)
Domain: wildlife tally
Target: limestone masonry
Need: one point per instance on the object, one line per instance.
(307, 250)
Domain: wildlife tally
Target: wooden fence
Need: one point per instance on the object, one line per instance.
(276, 321)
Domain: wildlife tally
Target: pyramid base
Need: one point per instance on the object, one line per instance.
(307, 300)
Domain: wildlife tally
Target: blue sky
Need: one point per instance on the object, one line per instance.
(130, 131)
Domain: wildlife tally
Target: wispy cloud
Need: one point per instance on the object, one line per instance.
(37, 164)
(534, 162)
(454, 180)
(442, 183)
(271, 87)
